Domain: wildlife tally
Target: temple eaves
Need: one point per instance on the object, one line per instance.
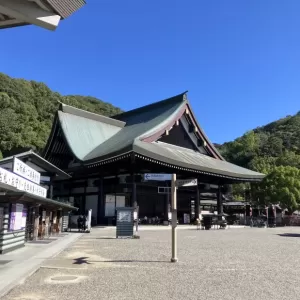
(43, 13)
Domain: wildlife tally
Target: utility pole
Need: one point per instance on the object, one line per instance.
(174, 218)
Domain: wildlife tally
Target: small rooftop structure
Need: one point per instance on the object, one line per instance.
(43, 13)
(36, 162)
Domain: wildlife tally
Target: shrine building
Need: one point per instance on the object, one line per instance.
(107, 158)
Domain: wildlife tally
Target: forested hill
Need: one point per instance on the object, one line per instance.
(27, 109)
(274, 150)
(276, 144)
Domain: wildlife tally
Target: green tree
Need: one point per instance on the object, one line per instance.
(273, 146)
(288, 158)
(262, 164)
(27, 110)
(242, 150)
(239, 191)
(281, 186)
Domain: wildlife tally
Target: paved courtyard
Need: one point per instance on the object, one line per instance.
(231, 264)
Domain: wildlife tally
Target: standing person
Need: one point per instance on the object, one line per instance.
(79, 222)
(84, 219)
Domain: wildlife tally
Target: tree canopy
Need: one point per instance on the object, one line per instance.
(281, 186)
(274, 150)
(27, 109)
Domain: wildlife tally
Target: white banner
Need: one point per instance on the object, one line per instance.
(21, 183)
(25, 171)
(110, 205)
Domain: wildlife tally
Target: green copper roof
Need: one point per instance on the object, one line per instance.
(83, 134)
(187, 158)
(93, 138)
(139, 122)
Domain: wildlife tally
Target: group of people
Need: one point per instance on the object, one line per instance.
(154, 220)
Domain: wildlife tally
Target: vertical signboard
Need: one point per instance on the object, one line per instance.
(125, 221)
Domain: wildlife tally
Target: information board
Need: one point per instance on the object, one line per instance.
(125, 221)
(25, 171)
(21, 183)
(17, 216)
(124, 216)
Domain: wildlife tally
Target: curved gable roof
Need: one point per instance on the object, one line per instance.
(83, 134)
(139, 122)
(94, 138)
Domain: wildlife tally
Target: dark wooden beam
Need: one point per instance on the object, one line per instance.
(191, 128)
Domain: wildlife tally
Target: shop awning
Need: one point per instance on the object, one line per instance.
(12, 194)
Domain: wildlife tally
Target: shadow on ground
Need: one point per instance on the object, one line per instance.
(85, 260)
(86, 239)
(290, 235)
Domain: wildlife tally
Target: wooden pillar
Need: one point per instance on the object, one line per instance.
(60, 221)
(100, 207)
(50, 195)
(197, 202)
(219, 200)
(133, 194)
(47, 220)
(54, 221)
(36, 223)
(133, 183)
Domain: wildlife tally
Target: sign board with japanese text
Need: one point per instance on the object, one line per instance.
(157, 177)
(25, 171)
(18, 215)
(186, 182)
(21, 183)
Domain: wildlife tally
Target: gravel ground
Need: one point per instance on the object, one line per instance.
(217, 264)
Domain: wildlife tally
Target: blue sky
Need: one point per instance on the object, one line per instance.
(239, 60)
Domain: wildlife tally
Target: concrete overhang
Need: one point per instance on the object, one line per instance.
(43, 13)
